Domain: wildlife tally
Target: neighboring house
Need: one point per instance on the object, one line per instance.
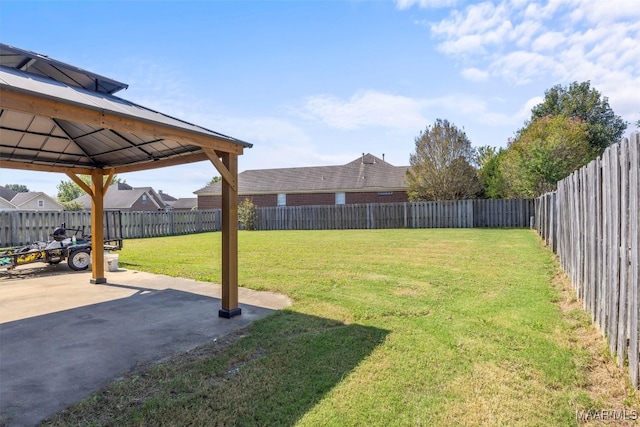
(6, 194)
(123, 197)
(367, 179)
(6, 205)
(184, 204)
(36, 201)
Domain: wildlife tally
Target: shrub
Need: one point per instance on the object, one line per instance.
(247, 214)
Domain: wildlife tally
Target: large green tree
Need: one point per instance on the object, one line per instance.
(546, 151)
(443, 164)
(581, 101)
(489, 174)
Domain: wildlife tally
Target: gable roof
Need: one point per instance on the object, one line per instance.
(122, 196)
(366, 173)
(21, 199)
(184, 203)
(166, 197)
(7, 193)
(5, 204)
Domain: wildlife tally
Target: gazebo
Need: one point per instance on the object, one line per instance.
(55, 117)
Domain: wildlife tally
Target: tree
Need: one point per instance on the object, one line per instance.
(18, 188)
(442, 167)
(69, 190)
(73, 206)
(489, 174)
(214, 180)
(546, 151)
(579, 100)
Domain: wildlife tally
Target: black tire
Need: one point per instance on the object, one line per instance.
(79, 260)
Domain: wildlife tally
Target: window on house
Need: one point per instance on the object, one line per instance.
(385, 193)
(340, 198)
(41, 203)
(144, 199)
(282, 200)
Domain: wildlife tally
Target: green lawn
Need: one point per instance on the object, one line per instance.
(388, 327)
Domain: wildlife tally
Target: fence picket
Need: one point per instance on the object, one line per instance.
(596, 220)
(19, 227)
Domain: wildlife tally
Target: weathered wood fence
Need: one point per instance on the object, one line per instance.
(18, 228)
(442, 214)
(592, 223)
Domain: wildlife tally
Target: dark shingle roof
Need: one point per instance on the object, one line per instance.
(184, 203)
(7, 193)
(366, 173)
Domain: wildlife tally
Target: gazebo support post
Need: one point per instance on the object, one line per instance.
(229, 237)
(97, 227)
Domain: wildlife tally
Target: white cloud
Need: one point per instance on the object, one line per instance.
(369, 108)
(548, 41)
(561, 41)
(521, 67)
(604, 12)
(475, 75)
(424, 4)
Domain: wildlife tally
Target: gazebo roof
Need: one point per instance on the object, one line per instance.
(57, 117)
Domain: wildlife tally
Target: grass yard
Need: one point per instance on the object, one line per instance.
(470, 327)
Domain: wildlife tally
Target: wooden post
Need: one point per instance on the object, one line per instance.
(230, 238)
(97, 228)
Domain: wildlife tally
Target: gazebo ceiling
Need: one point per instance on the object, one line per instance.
(56, 117)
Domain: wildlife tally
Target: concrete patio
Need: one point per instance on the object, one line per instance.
(62, 338)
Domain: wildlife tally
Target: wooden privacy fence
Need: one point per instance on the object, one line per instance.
(591, 221)
(442, 214)
(21, 228)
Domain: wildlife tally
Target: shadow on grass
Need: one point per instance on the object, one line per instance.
(291, 362)
(261, 368)
(269, 374)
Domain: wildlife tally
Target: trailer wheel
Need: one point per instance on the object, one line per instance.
(79, 260)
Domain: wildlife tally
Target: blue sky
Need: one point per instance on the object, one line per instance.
(313, 83)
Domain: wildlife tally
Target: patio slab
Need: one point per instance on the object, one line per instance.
(62, 338)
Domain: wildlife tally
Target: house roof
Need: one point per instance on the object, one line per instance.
(184, 203)
(7, 193)
(22, 198)
(166, 197)
(366, 173)
(5, 204)
(57, 117)
(122, 196)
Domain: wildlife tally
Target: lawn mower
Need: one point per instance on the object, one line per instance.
(75, 248)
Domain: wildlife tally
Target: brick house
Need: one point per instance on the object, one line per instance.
(367, 179)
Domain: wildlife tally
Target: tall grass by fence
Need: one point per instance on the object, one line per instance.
(19, 228)
(592, 223)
